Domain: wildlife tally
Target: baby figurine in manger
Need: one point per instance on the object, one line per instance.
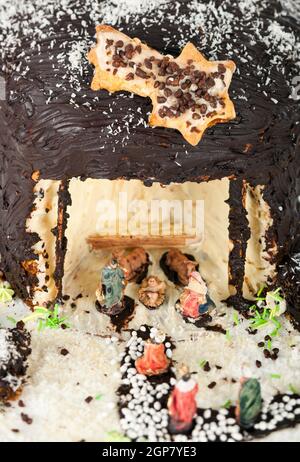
(194, 301)
(152, 292)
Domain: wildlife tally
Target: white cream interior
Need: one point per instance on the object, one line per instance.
(258, 268)
(42, 223)
(83, 265)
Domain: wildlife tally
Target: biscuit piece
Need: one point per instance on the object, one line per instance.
(188, 93)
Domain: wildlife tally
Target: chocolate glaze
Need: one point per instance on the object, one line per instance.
(61, 141)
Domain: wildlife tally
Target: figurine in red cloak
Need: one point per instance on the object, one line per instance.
(182, 403)
(154, 360)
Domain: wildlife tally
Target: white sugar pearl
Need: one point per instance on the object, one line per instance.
(169, 353)
(132, 434)
(230, 421)
(237, 436)
(157, 406)
(156, 418)
(223, 438)
(200, 420)
(132, 370)
(207, 414)
(262, 426)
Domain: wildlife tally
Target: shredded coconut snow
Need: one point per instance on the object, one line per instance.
(213, 25)
(57, 401)
(4, 346)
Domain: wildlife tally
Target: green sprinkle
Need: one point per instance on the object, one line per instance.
(261, 290)
(47, 318)
(227, 405)
(236, 318)
(115, 436)
(98, 397)
(202, 363)
(12, 320)
(269, 345)
(6, 293)
(268, 315)
(275, 376)
(293, 389)
(228, 335)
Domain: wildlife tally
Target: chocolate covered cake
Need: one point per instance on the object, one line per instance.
(65, 146)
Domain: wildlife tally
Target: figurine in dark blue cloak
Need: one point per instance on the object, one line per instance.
(250, 403)
(110, 295)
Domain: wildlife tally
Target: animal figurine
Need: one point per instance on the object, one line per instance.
(135, 264)
(179, 265)
(182, 403)
(152, 292)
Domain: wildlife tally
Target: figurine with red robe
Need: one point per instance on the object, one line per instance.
(154, 360)
(182, 403)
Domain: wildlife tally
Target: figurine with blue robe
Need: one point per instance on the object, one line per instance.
(110, 295)
(250, 403)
